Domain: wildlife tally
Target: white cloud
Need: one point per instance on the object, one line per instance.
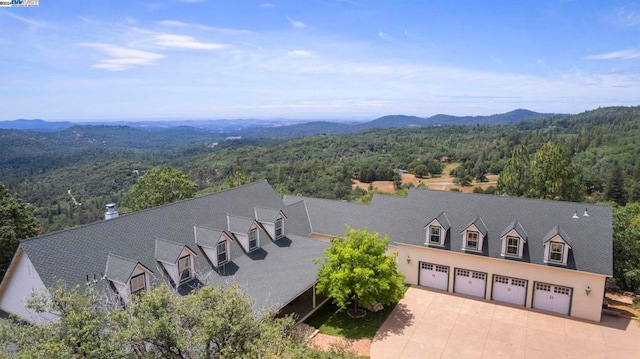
(267, 5)
(221, 30)
(25, 20)
(185, 42)
(122, 58)
(300, 53)
(617, 55)
(296, 24)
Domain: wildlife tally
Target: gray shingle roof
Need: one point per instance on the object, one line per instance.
(74, 254)
(443, 220)
(555, 231)
(119, 269)
(515, 225)
(267, 214)
(207, 237)
(168, 251)
(403, 219)
(479, 223)
(239, 224)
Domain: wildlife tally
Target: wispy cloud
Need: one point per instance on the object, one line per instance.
(185, 42)
(221, 30)
(25, 20)
(617, 55)
(191, 1)
(267, 5)
(121, 58)
(296, 24)
(628, 16)
(300, 53)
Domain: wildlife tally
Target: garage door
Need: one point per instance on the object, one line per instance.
(470, 283)
(434, 276)
(509, 290)
(553, 298)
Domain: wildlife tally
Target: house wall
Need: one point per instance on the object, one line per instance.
(20, 282)
(270, 228)
(582, 305)
(172, 270)
(124, 290)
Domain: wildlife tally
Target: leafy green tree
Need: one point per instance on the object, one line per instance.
(158, 187)
(207, 323)
(357, 270)
(514, 178)
(554, 176)
(614, 190)
(626, 246)
(16, 222)
(421, 170)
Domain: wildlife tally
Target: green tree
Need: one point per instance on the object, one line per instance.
(514, 178)
(158, 187)
(614, 190)
(16, 222)
(357, 270)
(421, 170)
(207, 323)
(554, 176)
(626, 246)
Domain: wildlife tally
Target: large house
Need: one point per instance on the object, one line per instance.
(548, 255)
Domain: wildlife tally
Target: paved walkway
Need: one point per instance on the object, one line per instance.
(430, 324)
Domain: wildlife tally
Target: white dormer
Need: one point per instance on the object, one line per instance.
(556, 246)
(246, 231)
(215, 243)
(177, 259)
(128, 277)
(436, 230)
(473, 236)
(272, 220)
(513, 239)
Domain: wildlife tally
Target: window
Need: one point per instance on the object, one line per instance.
(184, 267)
(434, 236)
(138, 284)
(513, 246)
(253, 239)
(556, 252)
(472, 240)
(222, 252)
(278, 228)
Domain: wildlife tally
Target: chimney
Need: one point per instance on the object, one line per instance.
(111, 212)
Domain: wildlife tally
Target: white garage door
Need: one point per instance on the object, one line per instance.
(434, 276)
(470, 283)
(509, 290)
(553, 298)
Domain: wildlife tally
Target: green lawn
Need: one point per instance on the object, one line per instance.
(331, 320)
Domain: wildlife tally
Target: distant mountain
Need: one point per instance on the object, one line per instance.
(35, 125)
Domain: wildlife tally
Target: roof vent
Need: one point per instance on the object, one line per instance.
(575, 215)
(111, 212)
(586, 214)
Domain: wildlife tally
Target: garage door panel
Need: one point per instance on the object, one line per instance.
(434, 276)
(509, 290)
(470, 282)
(553, 298)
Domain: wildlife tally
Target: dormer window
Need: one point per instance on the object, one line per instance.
(473, 236)
(472, 240)
(138, 284)
(556, 247)
(279, 231)
(222, 252)
(184, 268)
(513, 240)
(253, 239)
(434, 236)
(556, 252)
(513, 246)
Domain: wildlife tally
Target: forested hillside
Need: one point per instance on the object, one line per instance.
(98, 164)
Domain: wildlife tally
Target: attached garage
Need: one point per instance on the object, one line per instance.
(509, 290)
(553, 298)
(470, 282)
(434, 276)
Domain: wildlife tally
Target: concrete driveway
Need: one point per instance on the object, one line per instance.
(431, 324)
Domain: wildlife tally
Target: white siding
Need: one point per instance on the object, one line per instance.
(20, 282)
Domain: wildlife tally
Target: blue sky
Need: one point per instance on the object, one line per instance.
(315, 59)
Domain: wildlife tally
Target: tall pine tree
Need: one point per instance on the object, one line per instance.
(614, 190)
(514, 178)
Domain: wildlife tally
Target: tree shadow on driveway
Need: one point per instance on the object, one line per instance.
(400, 318)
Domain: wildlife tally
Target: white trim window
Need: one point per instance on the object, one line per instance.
(279, 231)
(513, 246)
(556, 252)
(184, 268)
(253, 239)
(434, 234)
(138, 283)
(222, 252)
(473, 239)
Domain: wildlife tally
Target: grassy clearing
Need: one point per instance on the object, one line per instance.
(332, 320)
